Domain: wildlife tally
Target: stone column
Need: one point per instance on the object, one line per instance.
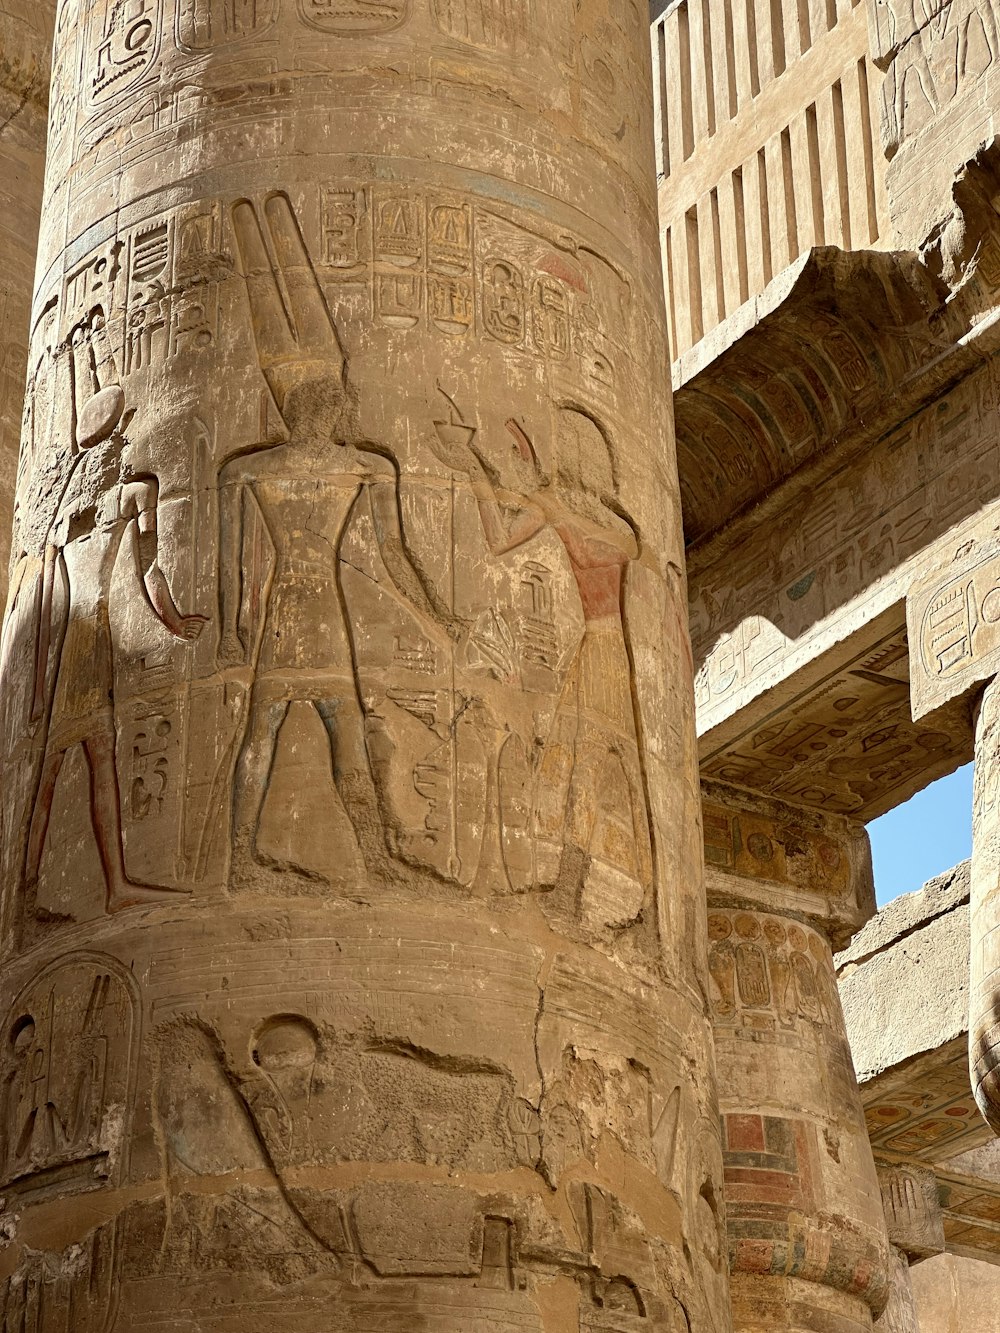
(953, 628)
(25, 47)
(807, 1241)
(355, 956)
(900, 1315)
(984, 910)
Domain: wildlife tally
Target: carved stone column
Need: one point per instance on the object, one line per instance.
(984, 911)
(25, 48)
(807, 1241)
(899, 1315)
(354, 943)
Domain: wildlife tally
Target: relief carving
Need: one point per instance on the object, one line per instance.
(205, 25)
(354, 18)
(70, 1041)
(953, 619)
(933, 52)
(123, 43)
(493, 25)
(365, 432)
(768, 974)
(491, 739)
(306, 491)
(576, 818)
(77, 1291)
(101, 502)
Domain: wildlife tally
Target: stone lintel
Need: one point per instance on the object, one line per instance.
(912, 1209)
(780, 858)
(821, 360)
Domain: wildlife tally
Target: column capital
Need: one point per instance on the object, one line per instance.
(775, 857)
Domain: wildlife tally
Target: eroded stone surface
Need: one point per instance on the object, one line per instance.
(25, 47)
(912, 1210)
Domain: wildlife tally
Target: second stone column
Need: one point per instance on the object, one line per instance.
(808, 1249)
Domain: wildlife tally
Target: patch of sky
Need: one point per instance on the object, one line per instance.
(923, 837)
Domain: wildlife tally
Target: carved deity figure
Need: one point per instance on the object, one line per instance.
(592, 802)
(100, 501)
(307, 490)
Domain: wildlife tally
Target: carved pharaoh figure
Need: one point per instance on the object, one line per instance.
(307, 490)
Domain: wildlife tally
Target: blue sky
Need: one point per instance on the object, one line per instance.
(930, 833)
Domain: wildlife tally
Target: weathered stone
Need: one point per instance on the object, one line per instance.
(900, 1315)
(952, 1293)
(917, 945)
(802, 1205)
(912, 1210)
(353, 936)
(26, 28)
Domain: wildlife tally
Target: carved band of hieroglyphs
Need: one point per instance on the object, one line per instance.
(494, 25)
(769, 974)
(70, 1041)
(206, 25)
(448, 263)
(347, 18)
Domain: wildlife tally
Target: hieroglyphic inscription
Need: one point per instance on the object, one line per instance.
(751, 616)
(376, 641)
(100, 501)
(494, 25)
(123, 41)
(769, 974)
(953, 620)
(75, 1291)
(844, 744)
(927, 1113)
(490, 773)
(205, 25)
(67, 1077)
(448, 263)
(348, 18)
(759, 846)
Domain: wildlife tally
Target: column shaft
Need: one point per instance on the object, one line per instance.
(807, 1242)
(352, 909)
(984, 911)
(25, 48)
